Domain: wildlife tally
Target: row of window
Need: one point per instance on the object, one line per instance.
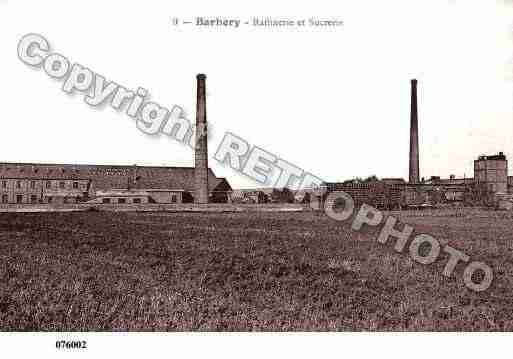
(48, 184)
(121, 200)
(32, 199)
(19, 198)
(37, 170)
(49, 199)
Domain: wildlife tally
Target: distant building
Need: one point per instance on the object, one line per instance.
(490, 178)
(492, 172)
(376, 193)
(393, 181)
(138, 196)
(251, 196)
(67, 183)
(267, 195)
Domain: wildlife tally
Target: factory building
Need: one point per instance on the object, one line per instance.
(32, 183)
(490, 179)
(67, 183)
(492, 171)
(379, 194)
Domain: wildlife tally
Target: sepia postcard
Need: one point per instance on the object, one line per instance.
(265, 179)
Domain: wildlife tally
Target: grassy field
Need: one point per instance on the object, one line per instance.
(247, 271)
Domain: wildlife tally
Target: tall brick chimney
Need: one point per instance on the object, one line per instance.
(201, 149)
(414, 136)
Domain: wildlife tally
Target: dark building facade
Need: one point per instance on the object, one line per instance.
(492, 171)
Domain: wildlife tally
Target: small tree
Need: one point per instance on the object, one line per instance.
(372, 178)
(357, 180)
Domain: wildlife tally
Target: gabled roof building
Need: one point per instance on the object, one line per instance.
(47, 183)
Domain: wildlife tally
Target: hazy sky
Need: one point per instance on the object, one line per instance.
(334, 102)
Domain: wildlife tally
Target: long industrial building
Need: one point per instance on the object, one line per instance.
(68, 183)
(35, 183)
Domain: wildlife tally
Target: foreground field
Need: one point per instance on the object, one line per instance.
(257, 271)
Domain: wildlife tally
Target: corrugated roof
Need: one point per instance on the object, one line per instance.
(112, 176)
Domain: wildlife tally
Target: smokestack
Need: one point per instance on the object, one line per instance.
(201, 150)
(414, 136)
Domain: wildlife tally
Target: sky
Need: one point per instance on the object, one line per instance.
(334, 102)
